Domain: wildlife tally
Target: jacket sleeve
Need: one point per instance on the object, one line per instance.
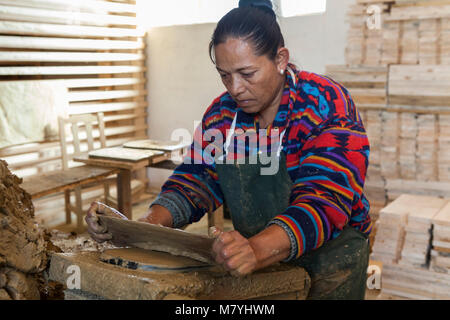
(192, 190)
(327, 184)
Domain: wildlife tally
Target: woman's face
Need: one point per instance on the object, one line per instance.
(253, 81)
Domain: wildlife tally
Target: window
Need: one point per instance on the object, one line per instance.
(290, 8)
(153, 13)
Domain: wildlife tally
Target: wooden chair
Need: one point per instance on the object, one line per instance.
(76, 123)
(81, 128)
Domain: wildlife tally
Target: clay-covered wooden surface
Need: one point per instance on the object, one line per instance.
(114, 282)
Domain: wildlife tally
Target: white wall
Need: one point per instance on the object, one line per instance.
(318, 40)
(182, 81)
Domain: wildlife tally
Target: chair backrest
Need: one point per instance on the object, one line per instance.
(81, 128)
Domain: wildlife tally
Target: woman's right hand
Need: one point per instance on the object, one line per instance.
(97, 231)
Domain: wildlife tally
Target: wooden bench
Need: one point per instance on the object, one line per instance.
(59, 181)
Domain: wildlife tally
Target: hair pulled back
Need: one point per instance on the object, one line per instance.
(253, 21)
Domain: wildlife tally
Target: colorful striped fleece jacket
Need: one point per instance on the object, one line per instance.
(327, 154)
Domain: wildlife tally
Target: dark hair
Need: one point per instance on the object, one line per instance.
(254, 21)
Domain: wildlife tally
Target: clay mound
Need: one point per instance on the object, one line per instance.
(22, 246)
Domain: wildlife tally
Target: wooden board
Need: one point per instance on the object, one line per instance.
(425, 208)
(67, 43)
(80, 5)
(156, 145)
(63, 17)
(148, 260)
(122, 154)
(443, 217)
(70, 70)
(47, 29)
(16, 56)
(434, 81)
(412, 281)
(152, 237)
(419, 12)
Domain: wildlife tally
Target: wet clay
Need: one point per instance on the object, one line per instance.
(69, 243)
(22, 246)
(135, 258)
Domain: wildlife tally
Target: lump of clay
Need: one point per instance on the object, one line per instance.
(22, 245)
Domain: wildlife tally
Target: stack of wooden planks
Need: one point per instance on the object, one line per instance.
(365, 38)
(417, 32)
(390, 233)
(440, 253)
(407, 235)
(398, 32)
(397, 72)
(413, 283)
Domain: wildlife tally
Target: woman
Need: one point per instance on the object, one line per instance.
(311, 211)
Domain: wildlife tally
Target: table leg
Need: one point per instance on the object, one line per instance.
(124, 192)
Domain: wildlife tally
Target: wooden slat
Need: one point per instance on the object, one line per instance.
(45, 163)
(99, 82)
(102, 82)
(108, 133)
(104, 95)
(35, 147)
(45, 29)
(28, 148)
(25, 56)
(11, 71)
(79, 108)
(68, 43)
(122, 117)
(399, 13)
(53, 16)
(374, 1)
(114, 131)
(433, 81)
(70, 5)
(408, 3)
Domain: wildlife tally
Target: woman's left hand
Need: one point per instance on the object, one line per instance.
(234, 253)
